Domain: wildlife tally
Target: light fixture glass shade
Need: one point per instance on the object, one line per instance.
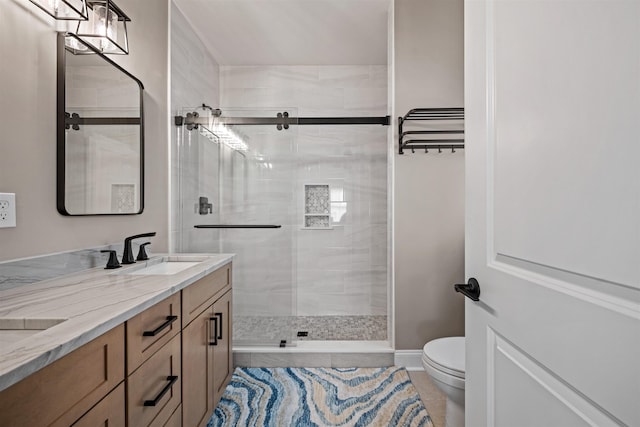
(64, 10)
(75, 45)
(106, 28)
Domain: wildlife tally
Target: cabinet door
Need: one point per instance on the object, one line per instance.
(197, 376)
(222, 351)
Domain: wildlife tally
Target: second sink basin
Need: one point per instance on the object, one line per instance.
(14, 330)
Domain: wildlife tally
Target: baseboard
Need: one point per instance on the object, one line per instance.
(410, 359)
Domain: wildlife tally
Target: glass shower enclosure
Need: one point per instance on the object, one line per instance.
(236, 192)
(304, 208)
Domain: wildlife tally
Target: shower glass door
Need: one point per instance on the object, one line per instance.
(241, 178)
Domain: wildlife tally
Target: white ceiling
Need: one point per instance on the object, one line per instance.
(291, 32)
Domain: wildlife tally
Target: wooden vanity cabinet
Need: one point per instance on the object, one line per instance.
(206, 346)
(165, 367)
(72, 388)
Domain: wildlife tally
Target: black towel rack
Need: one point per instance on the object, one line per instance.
(238, 226)
(432, 139)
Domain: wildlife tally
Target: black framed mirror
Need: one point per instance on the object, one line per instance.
(100, 133)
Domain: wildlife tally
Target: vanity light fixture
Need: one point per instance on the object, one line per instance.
(64, 10)
(105, 30)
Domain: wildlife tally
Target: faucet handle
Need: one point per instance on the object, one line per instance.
(142, 254)
(113, 260)
(204, 207)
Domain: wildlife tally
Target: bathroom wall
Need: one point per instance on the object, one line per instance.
(194, 81)
(28, 142)
(343, 270)
(429, 188)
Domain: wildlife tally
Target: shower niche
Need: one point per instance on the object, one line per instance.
(317, 207)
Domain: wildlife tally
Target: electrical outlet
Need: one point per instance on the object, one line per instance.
(7, 210)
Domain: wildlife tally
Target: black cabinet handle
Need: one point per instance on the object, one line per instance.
(219, 316)
(156, 331)
(215, 331)
(470, 290)
(172, 379)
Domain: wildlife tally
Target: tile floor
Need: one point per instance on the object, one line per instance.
(434, 400)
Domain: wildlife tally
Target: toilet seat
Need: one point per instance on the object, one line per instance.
(446, 355)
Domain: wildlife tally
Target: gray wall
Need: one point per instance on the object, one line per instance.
(28, 131)
(429, 188)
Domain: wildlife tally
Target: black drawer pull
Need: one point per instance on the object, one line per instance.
(215, 331)
(470, 290)
(156, 331)
(219, 316)
(172, 379)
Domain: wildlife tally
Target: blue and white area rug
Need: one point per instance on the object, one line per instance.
(279, 397)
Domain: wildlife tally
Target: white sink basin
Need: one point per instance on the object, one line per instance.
(167, 267)
(163, 265)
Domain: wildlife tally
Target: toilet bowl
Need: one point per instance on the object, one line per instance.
(443, 359)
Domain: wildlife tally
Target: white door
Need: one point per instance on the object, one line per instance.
(552, 97)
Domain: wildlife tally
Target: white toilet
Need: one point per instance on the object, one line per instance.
(443, 360)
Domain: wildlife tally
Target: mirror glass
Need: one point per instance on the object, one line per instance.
(100, 134)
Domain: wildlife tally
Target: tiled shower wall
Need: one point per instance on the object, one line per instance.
(194, 81)
(338, 271)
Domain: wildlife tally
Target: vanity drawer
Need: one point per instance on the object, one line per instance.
(150, 330)
(108, 412)
(154, 389)
(175, 420)
(62, 392)
(199, 296)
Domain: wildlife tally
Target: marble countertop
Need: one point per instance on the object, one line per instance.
(89, 303)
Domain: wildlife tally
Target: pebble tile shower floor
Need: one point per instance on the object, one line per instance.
(318, 328)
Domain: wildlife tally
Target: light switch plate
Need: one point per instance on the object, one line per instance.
(7, 210)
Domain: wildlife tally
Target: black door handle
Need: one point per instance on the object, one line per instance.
(470, 290)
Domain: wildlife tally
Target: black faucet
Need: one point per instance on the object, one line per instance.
(127, 254)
